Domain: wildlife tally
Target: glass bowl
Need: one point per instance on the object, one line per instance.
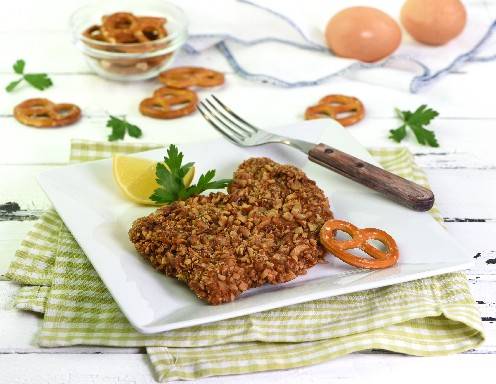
(135, 60)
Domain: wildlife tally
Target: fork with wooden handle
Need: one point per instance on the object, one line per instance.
(242, 133)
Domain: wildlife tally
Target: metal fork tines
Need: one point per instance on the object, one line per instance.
(238, 130)
(227, 122)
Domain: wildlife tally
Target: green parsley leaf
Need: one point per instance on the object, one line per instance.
(422, 116)
(19, 66)
(12, 85)
(134, 131)
(120, 127)
(162, 196)
(174, 159)
(170, 176)
(118, 133)
(398, 134)
(416, 121)
(39, 81)
(205, 183)
(424, 136)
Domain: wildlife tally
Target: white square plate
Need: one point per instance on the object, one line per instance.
(92, 207)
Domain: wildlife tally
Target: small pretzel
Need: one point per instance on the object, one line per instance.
(126, 28)
(169, 103)
(185, 77)
(42, 113)
(120, 27)
(359, 239)
(347, 110)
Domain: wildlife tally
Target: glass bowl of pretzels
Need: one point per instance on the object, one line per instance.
(129, 40)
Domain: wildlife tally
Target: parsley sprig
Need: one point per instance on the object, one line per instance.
(170, 176)
(39, 81)
(120, 127)
(416, 121)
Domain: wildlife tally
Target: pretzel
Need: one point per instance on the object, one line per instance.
(126, 28)
(185, 77)
(347, 110)
(359, 239)
(169, 103)
(42, 113)
(119, 27)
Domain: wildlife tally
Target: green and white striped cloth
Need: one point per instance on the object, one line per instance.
(433, 316)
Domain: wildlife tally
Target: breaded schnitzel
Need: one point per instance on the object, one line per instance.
(265, 230)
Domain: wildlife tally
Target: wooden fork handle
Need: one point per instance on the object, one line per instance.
(392, 186)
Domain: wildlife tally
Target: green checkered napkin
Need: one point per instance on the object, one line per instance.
(433, 316)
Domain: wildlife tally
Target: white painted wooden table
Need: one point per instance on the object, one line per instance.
(462, 173)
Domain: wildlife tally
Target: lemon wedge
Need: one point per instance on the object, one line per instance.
(136, 177)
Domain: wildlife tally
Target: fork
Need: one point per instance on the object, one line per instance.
(242, 133)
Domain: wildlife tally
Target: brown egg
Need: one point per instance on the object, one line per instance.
(433, 22)
(362, 33)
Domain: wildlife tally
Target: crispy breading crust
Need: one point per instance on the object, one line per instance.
(264, 231)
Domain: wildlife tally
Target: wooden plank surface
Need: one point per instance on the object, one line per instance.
(355, 368)
(460, 146)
